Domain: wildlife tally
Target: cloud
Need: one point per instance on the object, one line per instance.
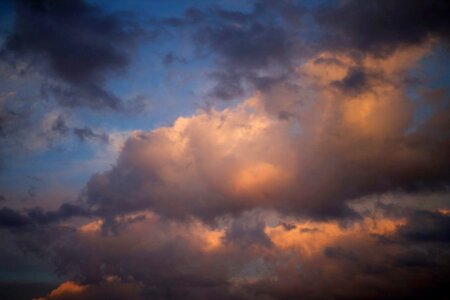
(66, 288)
(248, 47)
(355, 81)
(173, 170)
(54, 129)
(10, 218)
(88, 133)
(381, 27)
(109, 290)
(171, 260)
(336, 148)
(307, 189)
(154, 257)
(339, 253)
(78, 48)
(426, 226)
(58, 123)
(248, 230)
(257, 48)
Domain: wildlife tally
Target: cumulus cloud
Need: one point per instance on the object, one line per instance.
(197, 147)
(338, 147)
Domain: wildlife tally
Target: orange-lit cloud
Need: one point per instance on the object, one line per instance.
(311, 238)
(329, 152)
(64, 290)
(109, 289)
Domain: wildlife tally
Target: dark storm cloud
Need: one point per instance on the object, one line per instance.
(416, 258)
(79, 45)
(381, 26)
(64, 212)
(23, 290)
(10, 218)
(372, 276)
(426, 226)
(421, 226)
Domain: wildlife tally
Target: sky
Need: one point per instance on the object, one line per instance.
(260, 149)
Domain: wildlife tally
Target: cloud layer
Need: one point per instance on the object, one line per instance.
(324, 175)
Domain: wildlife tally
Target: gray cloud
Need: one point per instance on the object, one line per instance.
(79, 45)
(259, 47)
(425, 226)
(10, 218)
(88, 133)
(245, 44)
(379, 27)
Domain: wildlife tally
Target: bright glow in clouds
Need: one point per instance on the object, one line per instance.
(217, 163)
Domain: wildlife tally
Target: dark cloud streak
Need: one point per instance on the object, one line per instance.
(13, 219)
